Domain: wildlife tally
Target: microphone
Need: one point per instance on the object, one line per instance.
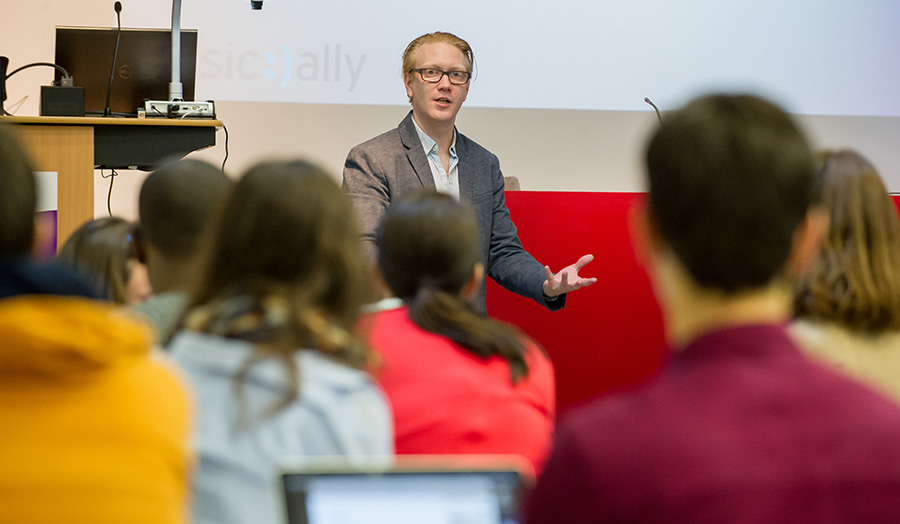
(112, 73)
(654, 108)
(256, 5)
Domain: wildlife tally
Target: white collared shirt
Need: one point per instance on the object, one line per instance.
(444, 181)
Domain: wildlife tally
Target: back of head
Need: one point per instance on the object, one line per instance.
(427, 240)
(18, 197)
(177, 202)
(731, 178)
(286, 230)
(855, 281)
(427, 251)
(102, 249)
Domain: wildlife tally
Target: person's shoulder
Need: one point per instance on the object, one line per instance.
(23, 276)
(390, 141)
(162, 305)
(321, 373)
(620, 410)
(369, 155)
(389, 137)
(210, 357)
(471, 147)
(538, 360)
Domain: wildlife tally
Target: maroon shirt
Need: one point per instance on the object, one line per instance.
(740, 428)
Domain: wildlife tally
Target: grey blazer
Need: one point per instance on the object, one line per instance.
(393, 165)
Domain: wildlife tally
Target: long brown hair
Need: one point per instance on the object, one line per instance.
(427, 251)
(285, 270)
(102, 248)
(855, 281)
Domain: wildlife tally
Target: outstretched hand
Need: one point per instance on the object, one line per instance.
(567, 279)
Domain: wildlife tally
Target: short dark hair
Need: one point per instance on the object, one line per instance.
(427, 239)
(731, 178)
(18, 196)
(427, 251)
(176, 204)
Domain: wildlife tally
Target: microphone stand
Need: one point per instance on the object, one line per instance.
(176, 90)
(176, 106)
(112, 73)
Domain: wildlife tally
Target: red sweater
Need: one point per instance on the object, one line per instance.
(739, 428)
(447, 400)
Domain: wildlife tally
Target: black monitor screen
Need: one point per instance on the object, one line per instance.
(143, 66)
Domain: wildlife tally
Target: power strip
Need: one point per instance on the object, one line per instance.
(170, 109)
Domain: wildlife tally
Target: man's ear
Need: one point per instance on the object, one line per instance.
(407, 82)
(470, 289)
(807, 241)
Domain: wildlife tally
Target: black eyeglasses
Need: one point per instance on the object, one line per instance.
(433, 76)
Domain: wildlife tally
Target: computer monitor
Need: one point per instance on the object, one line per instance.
(402, 493)
(143, 66)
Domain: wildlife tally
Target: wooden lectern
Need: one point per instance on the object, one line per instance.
(74, 146)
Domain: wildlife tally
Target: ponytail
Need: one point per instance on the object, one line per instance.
(446, 314)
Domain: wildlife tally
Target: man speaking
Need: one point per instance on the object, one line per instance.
(426, 150)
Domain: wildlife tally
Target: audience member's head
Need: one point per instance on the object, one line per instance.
(94, 363)
(428, 255)
(855, 280)
(286, 267)
(106, 250)
(732, 220)
(731, 180)
(428, 242)
(18, 197)
(176, 205)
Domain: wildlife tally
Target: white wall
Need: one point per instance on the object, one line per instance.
(568, 150)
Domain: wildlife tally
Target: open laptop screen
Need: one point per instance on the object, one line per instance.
(403, 496)
(143, 66)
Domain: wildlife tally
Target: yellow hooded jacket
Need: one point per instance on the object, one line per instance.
(93, 427)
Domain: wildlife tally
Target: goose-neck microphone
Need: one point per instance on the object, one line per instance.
(654, 108)
(112, 73)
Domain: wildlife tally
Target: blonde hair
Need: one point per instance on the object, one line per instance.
(409, 55)
(855, 281)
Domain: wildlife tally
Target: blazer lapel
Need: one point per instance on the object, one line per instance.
(465, 169)
(414, 152)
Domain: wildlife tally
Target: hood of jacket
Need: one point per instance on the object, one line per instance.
(54, 336)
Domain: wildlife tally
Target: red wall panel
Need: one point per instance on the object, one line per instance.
(610, 335)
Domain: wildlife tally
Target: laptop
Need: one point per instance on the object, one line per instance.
(412, 490)
(143, 65)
